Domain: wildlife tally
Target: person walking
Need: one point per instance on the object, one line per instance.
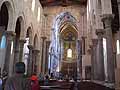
(35, 82)
(17, 81)
(46, 81)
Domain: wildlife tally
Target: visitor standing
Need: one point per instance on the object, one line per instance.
(17, 81)
(35, 83)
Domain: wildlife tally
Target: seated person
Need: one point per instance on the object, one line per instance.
(46, 81)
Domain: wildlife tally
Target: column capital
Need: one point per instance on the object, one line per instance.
(90, 46)
(107, 16)
(10, 35)
(36, 51)
(48, 41)
(79, 40)
(100, 32)
(94, 41)
(22, 41)
(30, 47)
(44, 37)
(2, 29)
(89, 50)
(107, 19)
(83, 37)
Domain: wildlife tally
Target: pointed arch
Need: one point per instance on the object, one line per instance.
(62, 18)
(10, 10)
(64, 24)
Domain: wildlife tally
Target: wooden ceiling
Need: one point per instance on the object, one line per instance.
(62, 2)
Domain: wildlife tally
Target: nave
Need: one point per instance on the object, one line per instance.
(73, 39)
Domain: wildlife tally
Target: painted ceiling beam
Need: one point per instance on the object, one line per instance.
(61, 2)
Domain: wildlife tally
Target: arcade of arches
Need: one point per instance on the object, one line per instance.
(69, 38)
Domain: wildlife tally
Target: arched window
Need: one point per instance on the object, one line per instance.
(3, 42)
(69, 53)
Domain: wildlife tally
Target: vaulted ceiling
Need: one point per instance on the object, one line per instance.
(61, 2)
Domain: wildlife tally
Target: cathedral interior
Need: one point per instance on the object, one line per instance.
(77, 39)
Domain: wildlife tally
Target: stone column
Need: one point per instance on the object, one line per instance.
(16, 51)
(35, 60)
(42, 56)
(107, 20)
(94, 58)
(90, 51)
(83, 45)
(21, 49)
(30, 61)
(47, 55)
(100, 56)
(79, 59)
(8, 65)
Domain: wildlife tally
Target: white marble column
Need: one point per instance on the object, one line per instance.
(100, 56)
(107, 20)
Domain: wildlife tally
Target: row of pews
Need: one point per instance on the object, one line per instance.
(57, 85)
(92, 86)
(66, 85)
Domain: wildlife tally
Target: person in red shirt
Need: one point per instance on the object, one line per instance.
(34, 83)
